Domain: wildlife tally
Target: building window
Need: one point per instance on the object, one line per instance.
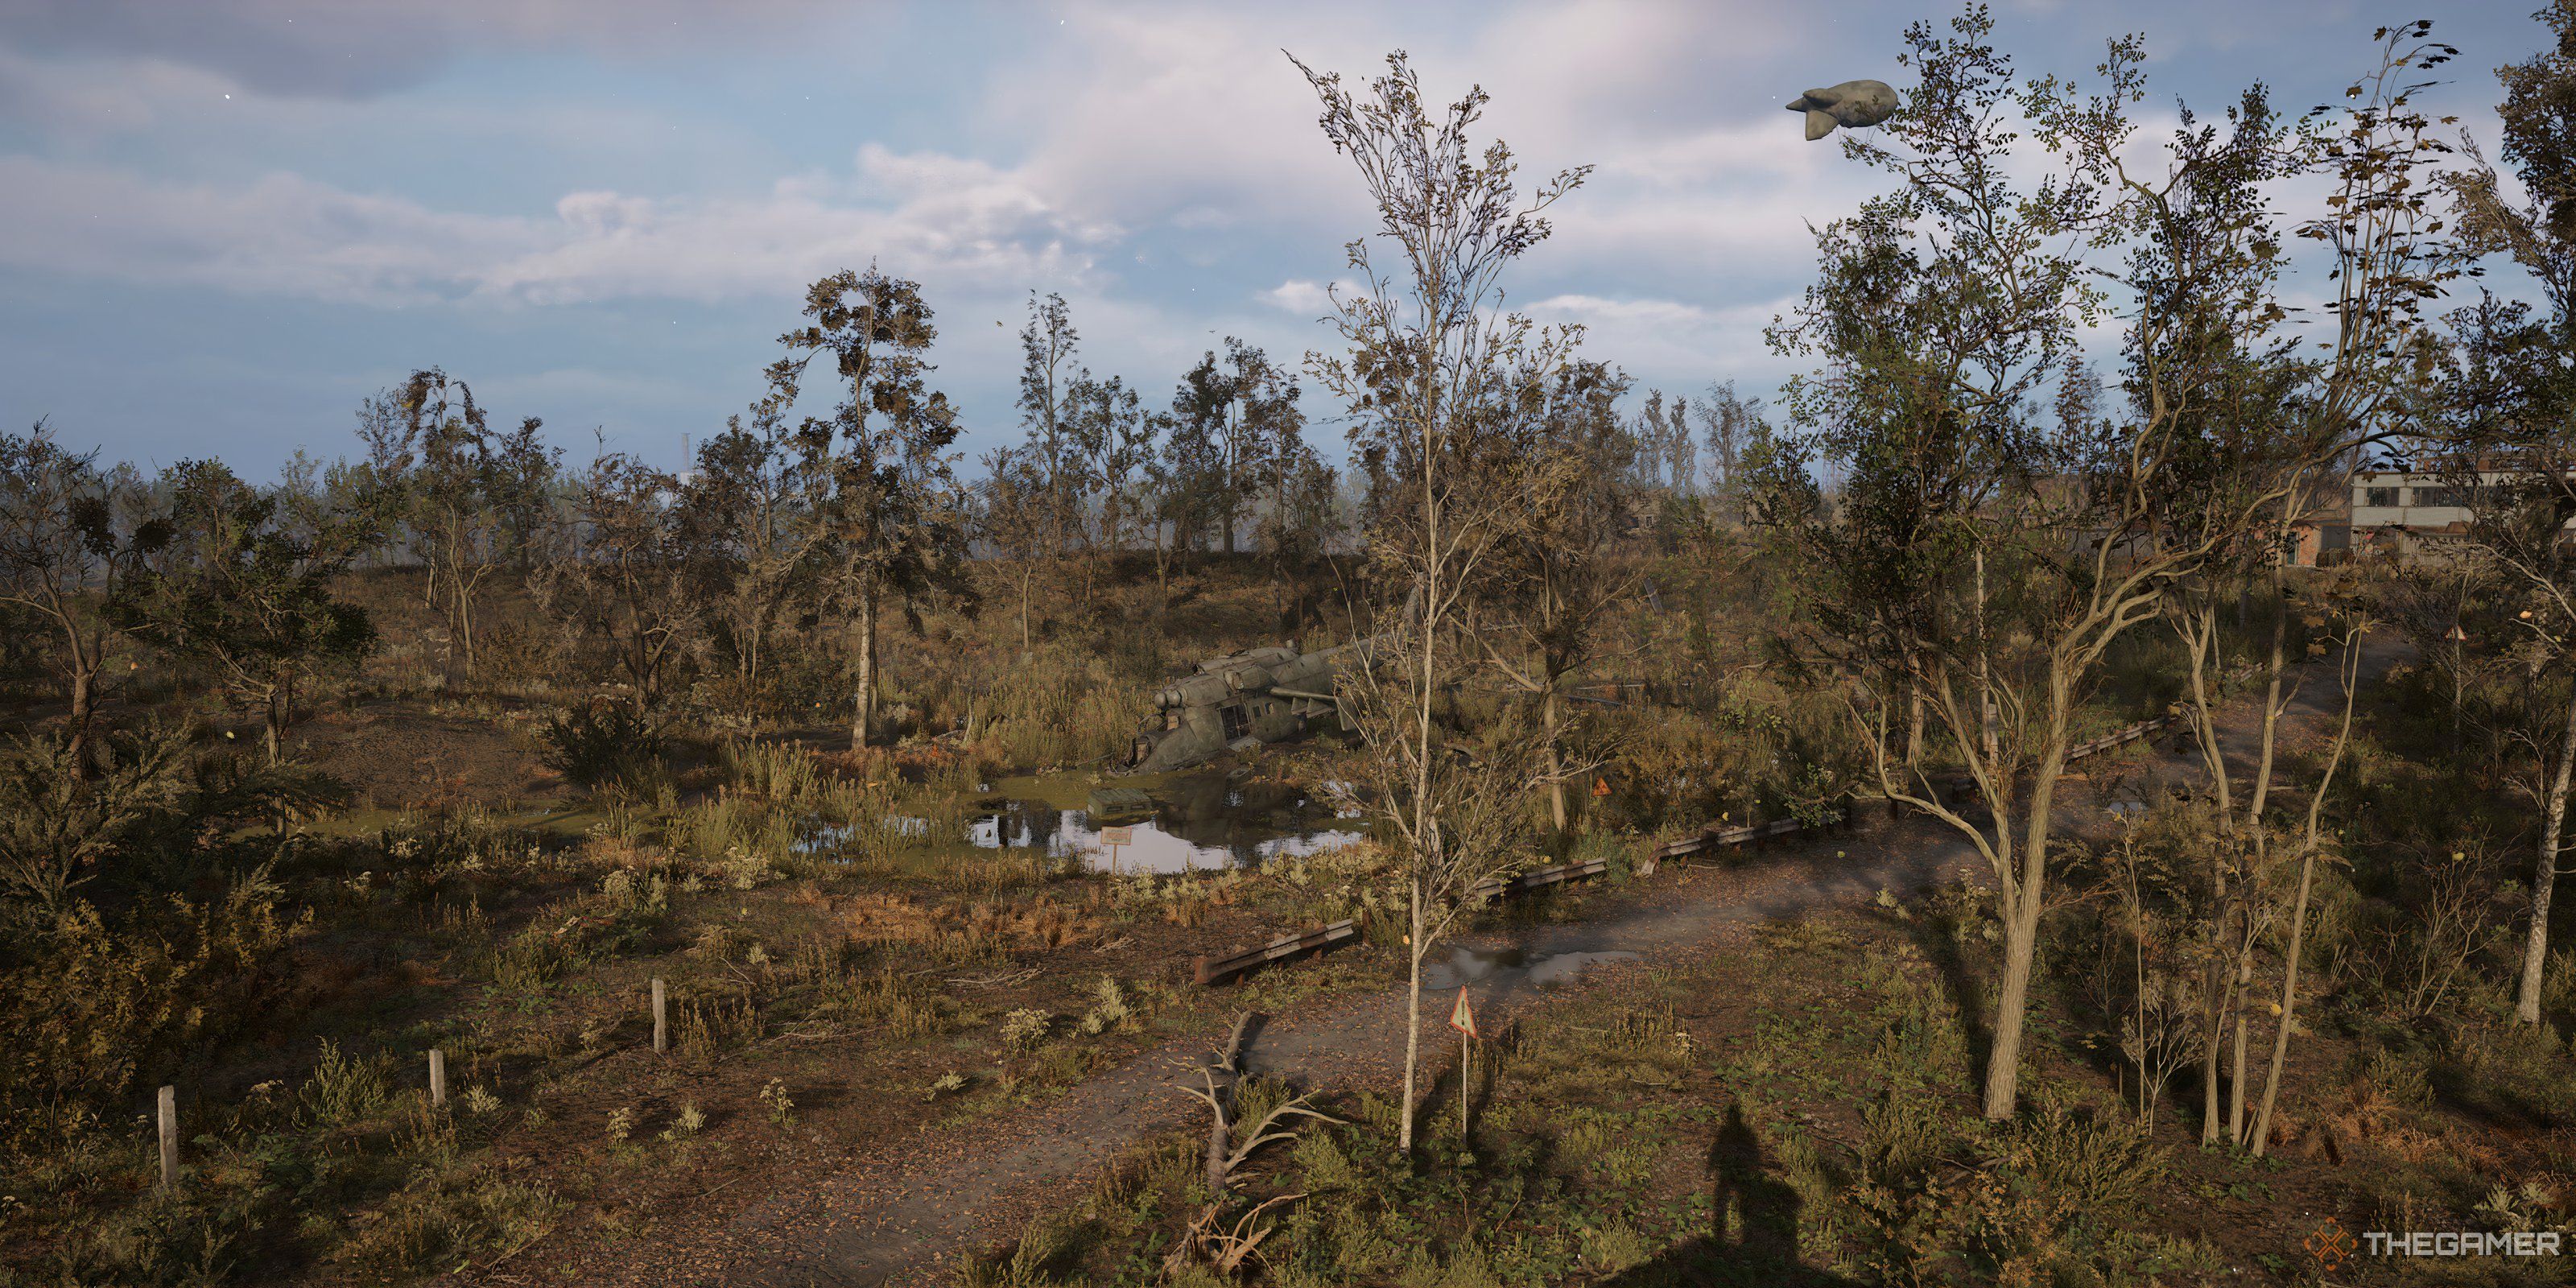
(2382, 496)
(2437, 496)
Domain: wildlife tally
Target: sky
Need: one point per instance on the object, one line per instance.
(225, 222)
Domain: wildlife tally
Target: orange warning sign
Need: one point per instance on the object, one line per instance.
(1463, 1018)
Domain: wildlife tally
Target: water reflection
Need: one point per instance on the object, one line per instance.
(1194, 824)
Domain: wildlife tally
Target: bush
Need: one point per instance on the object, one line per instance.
(600, 745)
(106, 1001)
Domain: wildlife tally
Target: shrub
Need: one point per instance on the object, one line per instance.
(1023, 1029)
(600, 745)
(341, 1091)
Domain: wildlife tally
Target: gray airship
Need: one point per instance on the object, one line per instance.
(1235, 703)
(1852, 103)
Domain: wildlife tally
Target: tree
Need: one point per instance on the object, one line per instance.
(1978, 555)
(630, 580)
(880, 480)
(1047, 377)
(2513, 400)
(66, 548)
(2261, 433)
(744, 515)
(1435, 368)
(1554, 578)
(1231, 417)
(1727, 421)
(1013, 520)
(459, 485)
(1118, 436)
(230, 584)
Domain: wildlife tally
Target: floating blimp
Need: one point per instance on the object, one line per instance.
(1853, 103)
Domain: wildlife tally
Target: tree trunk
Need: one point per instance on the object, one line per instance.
(1027, 575)
(2021, 950)
(84, 682)
(1555, 763)
(2236, 1065)
(1414, 949)
(2299, 910)
(2222, 1000)
(1914, 711)
(2289, 1004)
(280, 698)
(867, 647)
(2544, 875)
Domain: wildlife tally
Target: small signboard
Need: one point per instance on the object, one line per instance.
(1463, 1018)
(1118, 836)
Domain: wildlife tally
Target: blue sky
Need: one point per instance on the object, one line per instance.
(223, 222)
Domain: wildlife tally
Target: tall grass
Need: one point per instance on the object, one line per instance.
(1056, 714)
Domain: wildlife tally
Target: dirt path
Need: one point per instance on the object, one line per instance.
(905, 1212)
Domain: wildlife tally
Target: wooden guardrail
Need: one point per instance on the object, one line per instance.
(1720, 837)
(2095, 746)
(1211, 970)
(1540, 879)
(1959, 787)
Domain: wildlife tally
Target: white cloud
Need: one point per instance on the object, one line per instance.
(277, 234)
(921, 214)
(1298, 295)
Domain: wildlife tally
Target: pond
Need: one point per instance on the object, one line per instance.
(1192, 822)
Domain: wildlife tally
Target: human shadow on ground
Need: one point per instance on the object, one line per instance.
(1758, 1246)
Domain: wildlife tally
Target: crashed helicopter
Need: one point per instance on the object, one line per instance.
(1238, 702)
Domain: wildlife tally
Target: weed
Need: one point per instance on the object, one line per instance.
(1025, 1028)
(782, 1109)
(341, 1091)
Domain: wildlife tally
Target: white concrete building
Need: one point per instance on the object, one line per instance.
(2406, 508)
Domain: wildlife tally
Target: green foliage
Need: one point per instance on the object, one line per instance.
(598, 744)
(235, 585)
(342, 1091)
(174, 921)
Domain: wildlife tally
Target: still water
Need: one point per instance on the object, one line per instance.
(1195, 822)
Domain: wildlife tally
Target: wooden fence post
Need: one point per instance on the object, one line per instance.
(661, 1026)
(170, 1138)
(437, 1077)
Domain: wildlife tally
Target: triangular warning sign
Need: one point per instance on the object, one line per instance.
(1463, 1018)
